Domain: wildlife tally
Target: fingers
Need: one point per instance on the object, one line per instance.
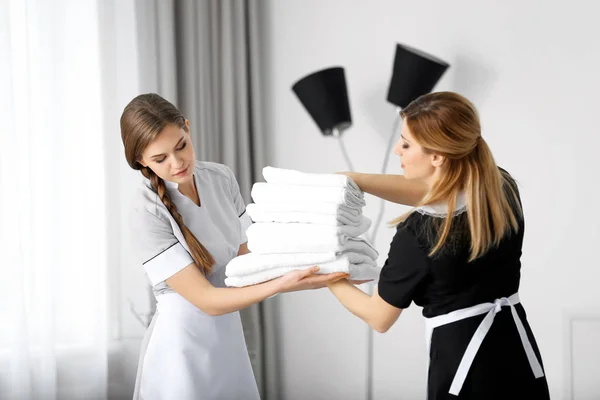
(338, 277)
(309, 271)
(327, 278)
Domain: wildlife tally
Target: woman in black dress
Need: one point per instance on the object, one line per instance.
(457, 255)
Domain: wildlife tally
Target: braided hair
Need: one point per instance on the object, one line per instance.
(141, 122)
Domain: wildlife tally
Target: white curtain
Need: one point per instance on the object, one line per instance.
(53, 288)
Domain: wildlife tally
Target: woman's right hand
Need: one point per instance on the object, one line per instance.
(307, 279)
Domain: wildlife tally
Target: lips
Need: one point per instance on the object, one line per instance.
(180, 173)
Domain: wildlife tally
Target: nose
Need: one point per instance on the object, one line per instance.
(398, 148)
(179, 162)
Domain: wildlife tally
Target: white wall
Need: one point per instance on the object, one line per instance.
(532, 69)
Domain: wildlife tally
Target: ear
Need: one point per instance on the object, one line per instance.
(437, 160)
(187, 123)
(142, 163)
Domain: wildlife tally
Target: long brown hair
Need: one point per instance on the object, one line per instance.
(448, 124)
(141, 122)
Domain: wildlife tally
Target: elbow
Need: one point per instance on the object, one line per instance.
(209, 309)
(215, 311)
(380, 328)
(212, 312)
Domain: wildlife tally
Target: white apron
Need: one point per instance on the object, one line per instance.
(467, 359)
(187, 354)
(182, 341)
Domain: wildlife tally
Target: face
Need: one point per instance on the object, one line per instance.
(416, 164)
(171, 155)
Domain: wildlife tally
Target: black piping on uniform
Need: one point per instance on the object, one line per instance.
(160, 253)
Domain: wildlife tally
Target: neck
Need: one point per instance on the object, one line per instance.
(433, 178)
(188, 189)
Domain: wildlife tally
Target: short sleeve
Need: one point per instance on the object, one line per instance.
(157, 248)
(405, 269)
(240, 206)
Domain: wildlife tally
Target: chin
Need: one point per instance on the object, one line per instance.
(187, 178)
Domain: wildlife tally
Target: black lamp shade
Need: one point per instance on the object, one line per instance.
(415, 74)
(325, 96)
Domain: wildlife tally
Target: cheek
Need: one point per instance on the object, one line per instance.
(408, 156)
(415, 159)
(164, 168)
(189, 152)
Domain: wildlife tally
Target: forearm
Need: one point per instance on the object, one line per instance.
(372, 309)
(353, 299)
(219, 301)
(394, 188)
(195, 288)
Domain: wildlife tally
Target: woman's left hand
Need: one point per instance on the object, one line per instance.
(307, 280)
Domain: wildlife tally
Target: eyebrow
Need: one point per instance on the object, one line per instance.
(402, 136)
(177, 145)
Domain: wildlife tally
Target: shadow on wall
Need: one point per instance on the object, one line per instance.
(472, 78)
(379, 112)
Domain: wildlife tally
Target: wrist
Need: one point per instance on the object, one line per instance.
(274, 287)
(355, 176)
(338, 283)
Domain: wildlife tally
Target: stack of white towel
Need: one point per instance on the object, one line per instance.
(302, 220)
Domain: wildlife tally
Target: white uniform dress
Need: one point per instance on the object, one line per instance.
(186, 353)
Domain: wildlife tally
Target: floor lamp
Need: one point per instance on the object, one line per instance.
(324, 95)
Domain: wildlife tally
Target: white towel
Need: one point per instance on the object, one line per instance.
(311, 208)
(253, 262)
(308, 244)
(265, 234)
(356, 271)
(292, 177)
(259, 214)
(278, 193)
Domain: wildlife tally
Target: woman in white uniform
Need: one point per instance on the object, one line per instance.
(188, 222)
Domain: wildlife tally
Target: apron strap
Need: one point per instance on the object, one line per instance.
(467, 359)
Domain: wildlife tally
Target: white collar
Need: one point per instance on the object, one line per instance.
(168, 184)
(440, 209)
(171, 185)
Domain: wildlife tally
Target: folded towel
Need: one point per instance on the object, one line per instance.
(292, 177)
(288, 242)
(253, 262)
(270, 232)
(311, 208)
(275, 193)
(259, 214)
(356, 271)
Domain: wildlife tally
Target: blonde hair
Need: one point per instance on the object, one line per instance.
(446, 123)
(141, 122)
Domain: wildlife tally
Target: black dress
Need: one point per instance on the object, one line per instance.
(447, 282)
